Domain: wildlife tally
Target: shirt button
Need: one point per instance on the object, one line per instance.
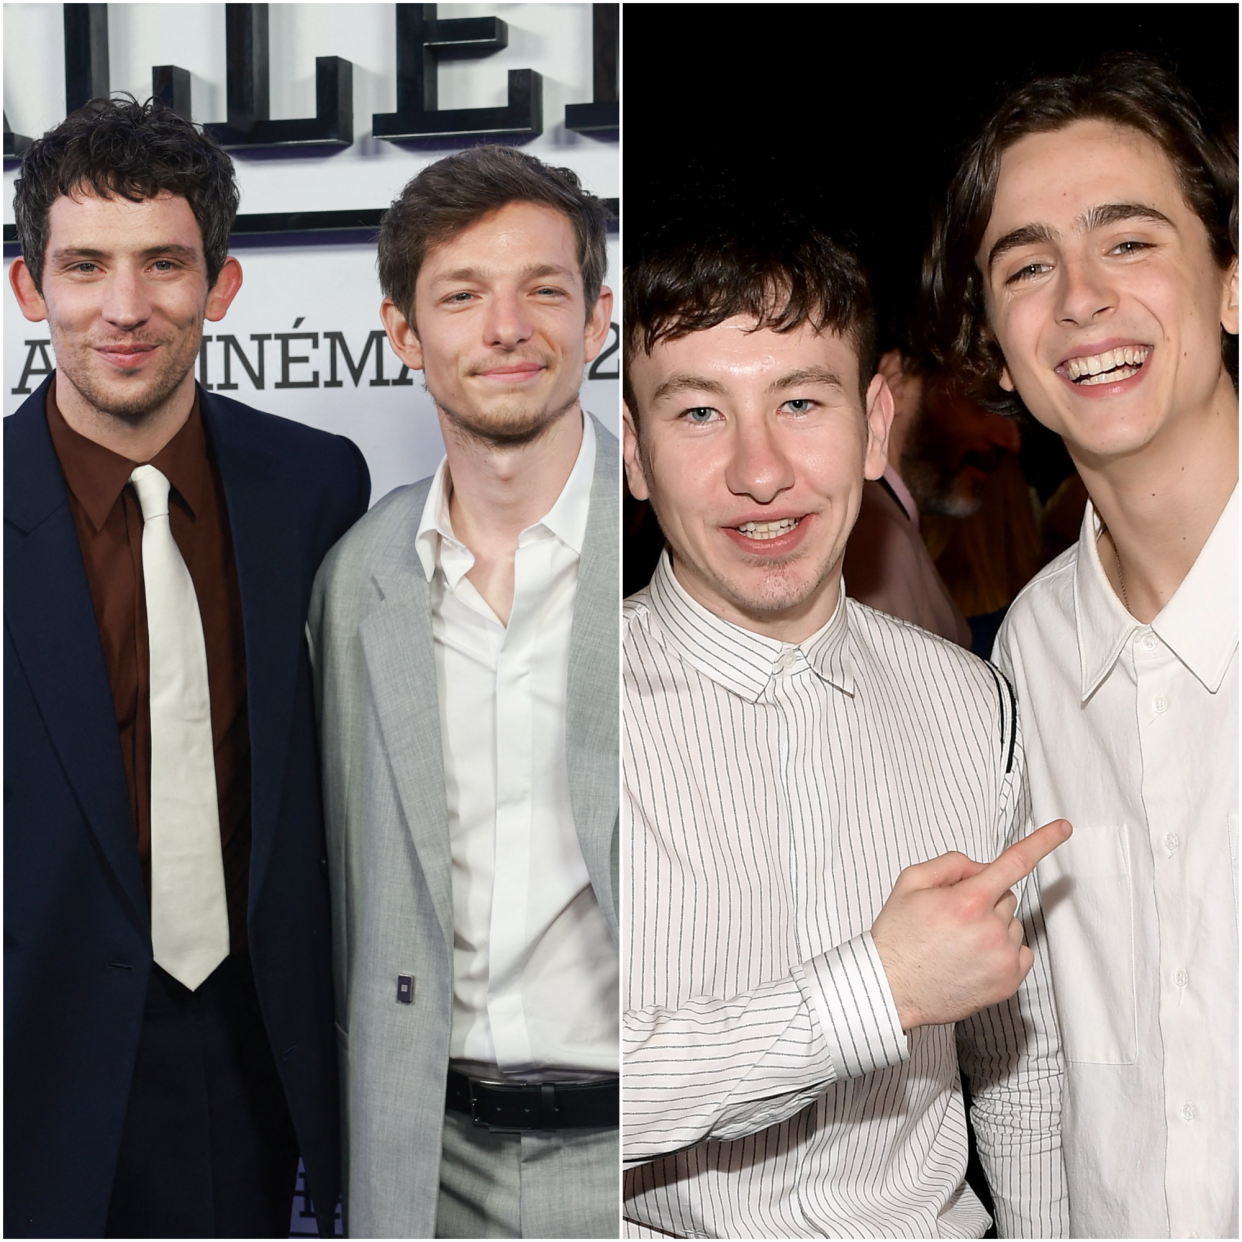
(789, 659)
(1171, 842)
(1189, 1112)
(1160, 703)
(1149, 642)
(1182, 978)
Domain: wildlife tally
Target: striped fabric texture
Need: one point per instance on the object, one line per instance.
(771, 795)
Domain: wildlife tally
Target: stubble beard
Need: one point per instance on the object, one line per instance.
(931, 477)
(503, 426)
(132, 406)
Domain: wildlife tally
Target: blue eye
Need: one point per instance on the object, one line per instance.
(800, 405)
(700, 414)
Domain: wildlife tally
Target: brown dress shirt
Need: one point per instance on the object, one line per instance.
(108, 519)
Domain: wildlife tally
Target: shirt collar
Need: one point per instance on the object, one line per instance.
(740, 660)
(1199, 624)
(436, 543)
(97, 476)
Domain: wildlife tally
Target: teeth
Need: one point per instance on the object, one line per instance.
(1111, 377)
(768, 530)
(1128, 356)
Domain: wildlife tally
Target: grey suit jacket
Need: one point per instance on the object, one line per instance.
(387, 825)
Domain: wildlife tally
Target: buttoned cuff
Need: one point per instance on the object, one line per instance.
(849, 998)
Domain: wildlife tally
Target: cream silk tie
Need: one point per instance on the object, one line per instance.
(189, 913)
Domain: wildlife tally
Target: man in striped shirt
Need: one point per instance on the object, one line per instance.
(824, 806)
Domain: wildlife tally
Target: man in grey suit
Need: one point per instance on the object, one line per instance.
(466, 651)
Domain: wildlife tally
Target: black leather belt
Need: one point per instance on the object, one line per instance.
(511, 1107)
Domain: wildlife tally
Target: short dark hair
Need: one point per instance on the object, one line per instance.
(780, 271)
(459, 190)
(1127, 89)
(118, 146)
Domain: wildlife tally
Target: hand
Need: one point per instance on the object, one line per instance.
(947, 936)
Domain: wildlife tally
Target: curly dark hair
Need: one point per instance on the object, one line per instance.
(774, 267)
(120, 147)
(459, 190)
(1127, 89)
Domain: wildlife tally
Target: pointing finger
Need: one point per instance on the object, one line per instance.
(1022, 857)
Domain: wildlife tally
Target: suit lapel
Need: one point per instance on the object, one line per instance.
(594, 669)
(397, 645)
(262, 521)
(55, 636)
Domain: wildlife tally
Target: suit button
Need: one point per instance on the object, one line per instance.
(323, 867)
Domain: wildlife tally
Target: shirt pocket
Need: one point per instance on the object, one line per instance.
(1089, 912)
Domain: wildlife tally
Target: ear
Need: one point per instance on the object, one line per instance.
(28, 297)
(632, 456)
(220, 296)
(879, 419)
(1006, 381)
(1229, 300)
(401, 335)
(598, 322)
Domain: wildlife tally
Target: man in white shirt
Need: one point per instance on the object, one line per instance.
(1088, 236)
(824, 805)
(465, 634)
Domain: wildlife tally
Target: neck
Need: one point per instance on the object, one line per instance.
(138, 437)
(1161, 503)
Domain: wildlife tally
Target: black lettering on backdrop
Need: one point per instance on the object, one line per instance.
(374, 341)
(231, 347)
(423, 40)
(287, 360)
(23, 389)
(604, 113)
(247, 87)
(86, 54)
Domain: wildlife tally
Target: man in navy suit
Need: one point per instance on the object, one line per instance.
(145, 1097)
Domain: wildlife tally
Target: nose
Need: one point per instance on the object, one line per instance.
(759, 466)
(1084, 291)
(126, 303)
(508, 322)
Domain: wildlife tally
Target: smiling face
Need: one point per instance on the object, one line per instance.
(502, 332)
(754, 446)
(124, 295)
(1102, 292)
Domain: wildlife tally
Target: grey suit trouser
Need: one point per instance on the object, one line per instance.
(541, 1184)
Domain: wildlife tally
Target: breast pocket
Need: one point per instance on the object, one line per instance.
(1089, 912)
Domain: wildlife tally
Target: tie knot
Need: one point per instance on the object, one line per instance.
(152, 488)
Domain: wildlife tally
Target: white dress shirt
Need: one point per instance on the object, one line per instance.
(534, 966)
(1132, 734)
(771, 795)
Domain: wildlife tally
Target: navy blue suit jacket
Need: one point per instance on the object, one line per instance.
(77, 941)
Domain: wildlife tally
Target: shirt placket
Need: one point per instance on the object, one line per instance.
(508, 938)
(1189, 1102)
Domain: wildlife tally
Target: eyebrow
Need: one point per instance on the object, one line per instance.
(534, 272)
(172, 250)
(684, 382)
(806, 375)
(1093, 218)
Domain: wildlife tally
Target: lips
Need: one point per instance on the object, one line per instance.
(516, 371)
(1111, 363)
(126, 354)
(769, 536)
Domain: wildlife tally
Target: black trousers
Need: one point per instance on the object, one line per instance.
(208, 1149)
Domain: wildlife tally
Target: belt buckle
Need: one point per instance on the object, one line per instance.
(474, 1104)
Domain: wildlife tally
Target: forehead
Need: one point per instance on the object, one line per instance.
(514, 238)
(1051, 178)
(86, 220)
(738, 355)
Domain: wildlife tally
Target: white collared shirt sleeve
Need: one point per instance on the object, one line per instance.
(772, 793)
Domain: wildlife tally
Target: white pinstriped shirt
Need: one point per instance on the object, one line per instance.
(772, 793)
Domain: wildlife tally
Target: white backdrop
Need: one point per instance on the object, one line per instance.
(325, 286)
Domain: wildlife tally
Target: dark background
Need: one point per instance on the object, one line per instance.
(858, 113)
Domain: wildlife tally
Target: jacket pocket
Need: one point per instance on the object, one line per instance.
(1089, 911)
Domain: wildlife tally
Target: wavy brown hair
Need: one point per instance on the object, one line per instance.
(1130, 90)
